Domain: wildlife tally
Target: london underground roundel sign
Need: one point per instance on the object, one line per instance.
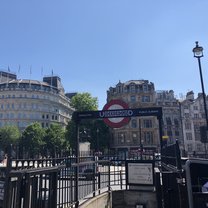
(118, 121)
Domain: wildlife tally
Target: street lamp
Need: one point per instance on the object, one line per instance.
(198, 53)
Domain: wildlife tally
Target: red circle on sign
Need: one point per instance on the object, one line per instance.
(116, 122)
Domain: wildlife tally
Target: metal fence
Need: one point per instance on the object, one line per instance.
(58, 182)
(64, 182)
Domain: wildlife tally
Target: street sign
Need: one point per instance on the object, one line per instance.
(118, 113)
(121, 109)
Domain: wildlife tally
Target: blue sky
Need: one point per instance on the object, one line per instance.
(92, 44)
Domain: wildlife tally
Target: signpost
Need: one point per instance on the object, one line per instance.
(117, 122)
(115, 114)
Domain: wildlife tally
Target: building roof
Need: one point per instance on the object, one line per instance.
(25, 81)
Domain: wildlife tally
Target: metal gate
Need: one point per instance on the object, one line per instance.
(173, 178)
(35, 188)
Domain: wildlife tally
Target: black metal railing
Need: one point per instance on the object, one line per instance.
(51, 182)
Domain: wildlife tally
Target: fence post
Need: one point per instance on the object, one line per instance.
(94, 173)
(121, 180)
(53, 197)
(99, 183)
(7, 182)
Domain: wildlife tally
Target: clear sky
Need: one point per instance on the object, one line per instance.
(92, 44)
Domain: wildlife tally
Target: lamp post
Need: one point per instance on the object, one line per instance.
(198, 53)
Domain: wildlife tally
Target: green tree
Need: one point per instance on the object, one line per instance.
(71, 134)
(100, 136)
(84, 102)
(94, 131)
(55, 139)
(80, 102)
(9, 135)
(33, 139)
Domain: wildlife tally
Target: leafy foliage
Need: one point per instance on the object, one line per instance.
(84, 102)
(55, 139)
(33, 139)
(9, 135)
(93, 131)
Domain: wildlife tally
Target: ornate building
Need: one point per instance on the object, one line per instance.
(172, 123)
(193, 117)
(26, 101)
(140, 132)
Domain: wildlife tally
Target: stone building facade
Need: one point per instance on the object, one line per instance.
(172, 123)
(26, 101)
(142, 133)
(193, 117)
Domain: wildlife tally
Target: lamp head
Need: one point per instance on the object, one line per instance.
(198, 51)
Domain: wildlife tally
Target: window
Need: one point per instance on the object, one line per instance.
(168, 121)
(196, 128)
(121, 138)
(134, 137)
(188, 136)
(145, 88)
(132, 88)
(196, 115)
(190, 148)
(188, 126)
(119, 89)
(147, 123)
(195, 107)
(176, 122)
(177, 133)
(145, 99)
(43, 116)
(199, 147)
(134, 123)
(148, 138)
(186, 115)
(133, 98)
(169, 133)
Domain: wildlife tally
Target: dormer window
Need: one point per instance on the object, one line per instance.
(145, 88)
(132, 88)
(119, 88)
